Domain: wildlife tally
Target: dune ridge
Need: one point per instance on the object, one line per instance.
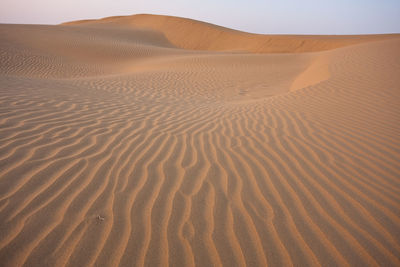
(197, 35)
(124, 144)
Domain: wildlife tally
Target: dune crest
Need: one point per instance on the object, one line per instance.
(120, 145)
(197, 35)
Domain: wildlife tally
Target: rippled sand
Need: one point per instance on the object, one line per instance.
(155, 141)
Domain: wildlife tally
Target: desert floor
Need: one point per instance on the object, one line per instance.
(156, 141)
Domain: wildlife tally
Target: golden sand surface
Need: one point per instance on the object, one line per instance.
(162, 141)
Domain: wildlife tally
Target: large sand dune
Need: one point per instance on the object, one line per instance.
(156, 141)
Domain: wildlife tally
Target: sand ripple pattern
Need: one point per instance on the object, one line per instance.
(188, 161)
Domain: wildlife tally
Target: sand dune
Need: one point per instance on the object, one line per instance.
(122, 144)
(197, 35)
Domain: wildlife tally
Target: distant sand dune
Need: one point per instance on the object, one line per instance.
(197, 35)
(120, 148)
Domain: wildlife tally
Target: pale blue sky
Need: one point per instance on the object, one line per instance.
(259, 16)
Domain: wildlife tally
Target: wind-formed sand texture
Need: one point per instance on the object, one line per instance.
(162, 141)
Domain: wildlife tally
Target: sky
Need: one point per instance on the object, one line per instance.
(257, 16)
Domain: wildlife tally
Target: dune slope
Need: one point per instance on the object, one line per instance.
(120, 148)
(198, 35)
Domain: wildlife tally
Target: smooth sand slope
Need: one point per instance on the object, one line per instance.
(161, 141)
(197, 35)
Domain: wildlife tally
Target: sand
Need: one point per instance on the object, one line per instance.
(161, 141)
